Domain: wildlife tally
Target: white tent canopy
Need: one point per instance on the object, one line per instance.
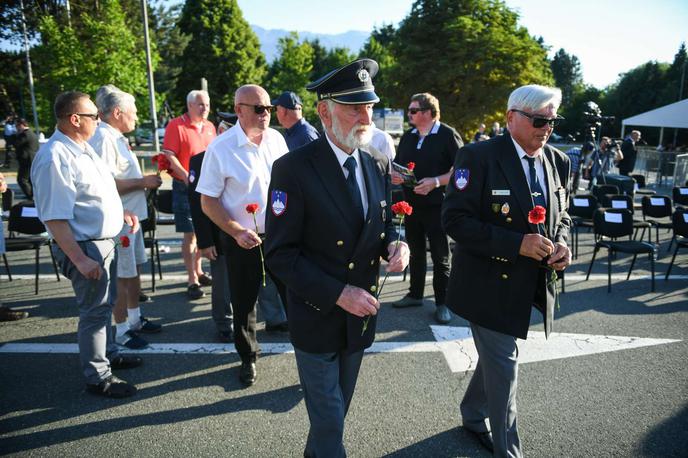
(674, 115)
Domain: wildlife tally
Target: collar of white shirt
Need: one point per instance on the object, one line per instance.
(73, 146)
(433, 130)
(115, 132)
(342, 156)
(521, 152)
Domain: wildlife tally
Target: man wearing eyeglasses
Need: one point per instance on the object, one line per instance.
(76, 198)
(501, 263)
(432, 146)
(328, 226)
(186, 136)
(235, 173)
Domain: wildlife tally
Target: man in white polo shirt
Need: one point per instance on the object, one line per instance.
(118, 110)
(235, 173)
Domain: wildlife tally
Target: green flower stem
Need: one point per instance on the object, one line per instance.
(260, 249)
(384, 280)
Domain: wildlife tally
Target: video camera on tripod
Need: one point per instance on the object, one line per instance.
(594, 119)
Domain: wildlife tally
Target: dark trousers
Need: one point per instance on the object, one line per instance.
(245, 279)
(425, 223)
(328, 381)
(491, 393)
(24, 177)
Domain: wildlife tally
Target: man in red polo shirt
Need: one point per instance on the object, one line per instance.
(186, 136)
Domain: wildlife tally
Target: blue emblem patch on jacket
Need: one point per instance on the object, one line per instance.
(461, 177)
(278, 202)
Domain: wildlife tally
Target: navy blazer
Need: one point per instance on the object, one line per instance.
(490, 284)
(314, 248)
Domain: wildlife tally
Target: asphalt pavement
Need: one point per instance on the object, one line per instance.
(623, 400)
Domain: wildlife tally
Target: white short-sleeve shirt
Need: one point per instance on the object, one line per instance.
(113, 148)
(238, 172)
(72, 183)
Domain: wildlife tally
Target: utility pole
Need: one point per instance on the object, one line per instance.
(28, 67)
(149, 70)
(680, 94)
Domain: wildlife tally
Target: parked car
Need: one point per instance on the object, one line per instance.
(144, 133)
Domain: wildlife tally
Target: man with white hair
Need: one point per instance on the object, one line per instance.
(235, 174)
(118, 112)
(503, 263)
(629, 151)
(186, 136)
(329, 224)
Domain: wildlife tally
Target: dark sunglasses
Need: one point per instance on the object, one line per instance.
(259, 109)
(538, 121)
(95, 117)
(416, 110)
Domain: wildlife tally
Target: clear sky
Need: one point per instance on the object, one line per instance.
(608, 36)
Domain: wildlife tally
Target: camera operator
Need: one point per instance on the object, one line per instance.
(603, 159)
(578, 157)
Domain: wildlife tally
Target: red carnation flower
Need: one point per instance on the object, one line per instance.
(124, 241)
(537, 215)
(162, 161)
(411, 166)
(252, 208)
(402, 208)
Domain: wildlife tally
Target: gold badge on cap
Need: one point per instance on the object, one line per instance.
(495, 208)
(505, 209)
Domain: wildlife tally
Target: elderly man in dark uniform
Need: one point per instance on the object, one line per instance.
(501, 264)
(328, 225)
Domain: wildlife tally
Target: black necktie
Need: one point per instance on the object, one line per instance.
(535, 188)
(351, 183)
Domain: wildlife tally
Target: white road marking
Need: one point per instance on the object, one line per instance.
(145, 277)
(455, 343)
(461, 354)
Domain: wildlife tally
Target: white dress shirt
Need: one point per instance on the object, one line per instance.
(238, 172)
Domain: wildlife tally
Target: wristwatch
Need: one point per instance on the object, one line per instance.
(437, 182)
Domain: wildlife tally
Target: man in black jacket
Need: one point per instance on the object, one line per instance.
(630, 153)
(431, 146)
(501, 264)
(25, 147)
(327, 227)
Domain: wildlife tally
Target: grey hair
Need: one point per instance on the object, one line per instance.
(534, 97)
(102, 92)
(116, 99)
(193, 95)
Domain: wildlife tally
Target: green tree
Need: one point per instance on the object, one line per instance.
(101, 50)
(470, 54)
(325, 60)
(291, 71)
(567, 75)
(223, 49)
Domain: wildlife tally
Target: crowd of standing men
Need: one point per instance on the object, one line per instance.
(299, 223)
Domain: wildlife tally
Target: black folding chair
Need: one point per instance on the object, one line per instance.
(680, 224)
(657, 211)
(625, 201)
(680, 196)
(150, 241)
(581, 209)
(602, 191)
(24, 220)
(612, 224)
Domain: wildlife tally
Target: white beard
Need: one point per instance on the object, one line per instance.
(353, 139)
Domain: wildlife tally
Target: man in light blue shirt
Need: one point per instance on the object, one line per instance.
(77, 200)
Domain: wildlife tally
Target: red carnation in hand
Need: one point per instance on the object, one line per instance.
(537, 215)
(124, 241)
(162, 161)
(402, 208)
(411, 166)
(252, 208)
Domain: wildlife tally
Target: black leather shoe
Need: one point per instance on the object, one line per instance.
(125, 362)
(247, 373)
(485, 439)
(112, 387)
